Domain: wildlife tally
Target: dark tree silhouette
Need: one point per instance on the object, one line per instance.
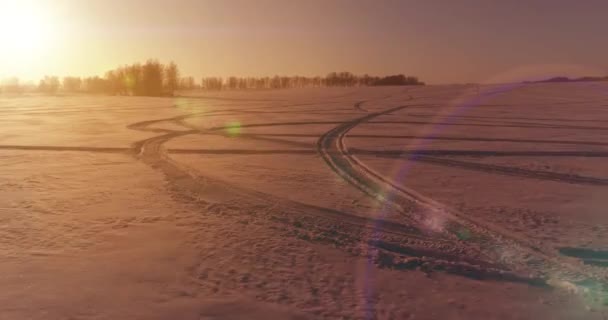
(397, 80)
(155, 79)
(333, 79)
(171, 77)
(566, 79)
(149, 79)
(212, 83)
(152, 79)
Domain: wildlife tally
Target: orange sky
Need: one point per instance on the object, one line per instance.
(439, 41)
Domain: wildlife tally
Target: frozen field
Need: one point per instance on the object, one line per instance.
(437, 202)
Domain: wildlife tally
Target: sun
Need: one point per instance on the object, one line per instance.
(26, 30)
(23, 25)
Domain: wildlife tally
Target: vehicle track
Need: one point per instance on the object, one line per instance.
(523, 123)
(513, 171)
(463, 138)
(413, 156)
(67, 148)
(481, 153)
(387, 238)
(495, 241)
(427, 115)
(493, 124)
(488, 251)
(359, 104)
(153, 153)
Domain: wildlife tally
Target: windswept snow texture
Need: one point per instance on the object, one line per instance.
(436, 202)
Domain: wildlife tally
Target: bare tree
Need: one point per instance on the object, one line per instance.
(171, 77)
(152, 78)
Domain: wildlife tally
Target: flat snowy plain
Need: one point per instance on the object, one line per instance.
(436, 202)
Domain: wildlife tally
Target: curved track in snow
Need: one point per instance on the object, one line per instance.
(492, 239)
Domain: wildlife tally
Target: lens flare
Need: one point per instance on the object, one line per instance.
(233, 128)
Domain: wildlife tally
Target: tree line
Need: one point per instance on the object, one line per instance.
(567, 79)
(153, 78)
(333, 79)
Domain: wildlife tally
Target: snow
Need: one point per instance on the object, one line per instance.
(253, 204)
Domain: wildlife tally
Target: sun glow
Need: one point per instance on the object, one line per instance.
(27, 34)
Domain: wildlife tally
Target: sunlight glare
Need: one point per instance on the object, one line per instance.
(26, 31)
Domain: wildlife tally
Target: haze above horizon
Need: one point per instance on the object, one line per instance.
(438, 41)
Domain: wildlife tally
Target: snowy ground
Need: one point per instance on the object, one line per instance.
(452, 202)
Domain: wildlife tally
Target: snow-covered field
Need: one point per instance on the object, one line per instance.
(452, 202)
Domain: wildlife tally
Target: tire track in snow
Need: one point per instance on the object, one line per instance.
(152, 152)
(513, 171)
(505, 246)
(429, 253)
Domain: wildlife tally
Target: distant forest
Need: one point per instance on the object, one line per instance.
(153, 78)
(566, 79)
